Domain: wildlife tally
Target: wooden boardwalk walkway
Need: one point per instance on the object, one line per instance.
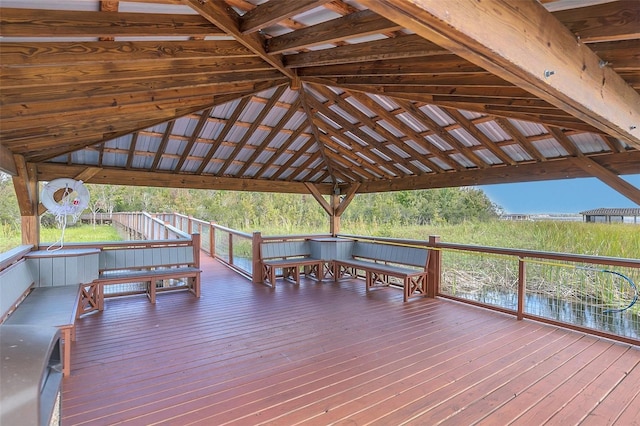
(328, 353)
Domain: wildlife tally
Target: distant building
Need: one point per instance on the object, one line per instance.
(515, 216)
(605, 215)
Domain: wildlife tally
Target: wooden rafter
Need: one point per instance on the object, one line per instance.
(221, 137)
(316, 134)
(355, 129)
(202, 121)
(273, 12)
(227, 19)
(603, 99)
(293, 108)
(163, 145)
(356, 24)
(254, 125)
(608, 177)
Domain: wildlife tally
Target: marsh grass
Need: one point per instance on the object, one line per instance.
(73, 234)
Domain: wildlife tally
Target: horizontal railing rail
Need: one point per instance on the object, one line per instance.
(12, 256)
(582, 292)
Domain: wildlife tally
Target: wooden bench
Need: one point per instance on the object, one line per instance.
(383, 262)
(23, 304)
(288, 256)
(149, 263)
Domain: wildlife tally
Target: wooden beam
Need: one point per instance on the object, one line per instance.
(110, 72)
(356, 24)
(436, 65)
(70, 23)
(86, 91)
(316, 135)
(32, 53)
(250, 133)
(619, 163)
(352, 190)
(202, 121)
(25, 184)
(565, 72)
(7, 162)
(291, 110)
(223, 16)
(275, 11)
(49, 171)
(408, 46)
(608, 177)
(618, 20)
(319, 198)
(231, 121)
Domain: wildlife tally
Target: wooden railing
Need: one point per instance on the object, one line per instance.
(587, 293)
(144, 226)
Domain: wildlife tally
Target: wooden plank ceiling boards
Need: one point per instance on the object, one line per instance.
(278, 95)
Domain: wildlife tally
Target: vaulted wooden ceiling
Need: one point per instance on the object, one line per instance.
(282, 95)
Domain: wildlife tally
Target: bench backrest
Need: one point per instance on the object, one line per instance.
(413, 256)
(14, 282)
(144, 257)
(285, 249)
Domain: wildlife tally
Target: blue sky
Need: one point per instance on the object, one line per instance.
(558, 196)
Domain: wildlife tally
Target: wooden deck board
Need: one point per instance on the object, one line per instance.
(322, 353)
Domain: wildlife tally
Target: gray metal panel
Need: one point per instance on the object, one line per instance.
(72, 270)
(45, 272)
(58, 272)
(147, 254)
(15, 281)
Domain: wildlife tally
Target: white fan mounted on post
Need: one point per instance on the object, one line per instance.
(64, 197)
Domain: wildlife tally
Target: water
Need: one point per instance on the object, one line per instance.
(626, 323)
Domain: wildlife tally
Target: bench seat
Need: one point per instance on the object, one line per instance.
(290, 269)
(51, 306)
(150, 276)
(382, 262)
(289, 256)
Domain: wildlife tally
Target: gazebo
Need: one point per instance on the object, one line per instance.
(611, 215)
(331, 98)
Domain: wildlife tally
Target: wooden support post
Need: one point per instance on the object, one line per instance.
(434, 267)
(230, 248)
(190, 224)
(26, 187)
(256, 259)
(196, 241)
(334, 224)
(522, 280)
(212, 239)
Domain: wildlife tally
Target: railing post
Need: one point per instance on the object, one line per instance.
(212, 239)
(230, 248)
(195, 240)
(522, 280)
(256, 271)
(190, 224)
(434, 267)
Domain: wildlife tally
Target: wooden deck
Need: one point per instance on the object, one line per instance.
(327, 353)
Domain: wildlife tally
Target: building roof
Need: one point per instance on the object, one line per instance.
(632, 211)
(277, 95)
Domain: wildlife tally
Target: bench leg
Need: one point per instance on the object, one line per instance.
(270, 275)
(101, 297)
(66, 350)
(196, 286)
(151, 291)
